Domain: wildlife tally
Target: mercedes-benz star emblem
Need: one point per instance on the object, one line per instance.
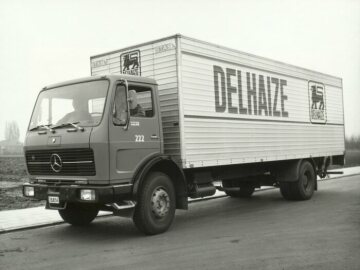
(56, 162)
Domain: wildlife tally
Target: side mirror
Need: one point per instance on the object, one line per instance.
(127, 104)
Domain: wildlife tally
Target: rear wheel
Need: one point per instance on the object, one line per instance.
(78, 214)
(244, 190)
(155, 208)
(304, 187)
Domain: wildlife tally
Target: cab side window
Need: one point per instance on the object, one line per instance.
(120, 110)
(140, 101)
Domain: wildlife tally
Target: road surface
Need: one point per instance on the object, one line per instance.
(264, 232)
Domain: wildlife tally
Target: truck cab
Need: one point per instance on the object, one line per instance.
(90, 141)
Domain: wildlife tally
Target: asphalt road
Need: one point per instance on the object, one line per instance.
(264, 232)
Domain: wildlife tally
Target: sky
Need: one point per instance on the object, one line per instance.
(44, 42)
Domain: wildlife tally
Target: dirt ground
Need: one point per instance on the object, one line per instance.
(13, 175)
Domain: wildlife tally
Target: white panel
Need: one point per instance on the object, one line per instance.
(218, 142)
(199, 93)
(226, 54)
(227, 136)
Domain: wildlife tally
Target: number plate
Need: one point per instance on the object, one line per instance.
(54, 199)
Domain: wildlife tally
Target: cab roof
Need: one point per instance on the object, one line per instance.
(111, 77)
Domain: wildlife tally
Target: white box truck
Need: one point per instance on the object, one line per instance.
(163, 120)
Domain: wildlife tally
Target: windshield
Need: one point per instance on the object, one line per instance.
(81, 103)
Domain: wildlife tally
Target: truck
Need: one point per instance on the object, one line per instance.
(177, 118)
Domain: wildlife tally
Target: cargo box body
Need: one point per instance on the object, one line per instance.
(220, 106)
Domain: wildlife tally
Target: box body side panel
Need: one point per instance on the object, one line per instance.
(240, 108)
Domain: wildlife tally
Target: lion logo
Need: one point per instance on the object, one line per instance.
(317, 102)
(130, 63)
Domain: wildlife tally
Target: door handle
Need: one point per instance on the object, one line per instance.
(154, 136)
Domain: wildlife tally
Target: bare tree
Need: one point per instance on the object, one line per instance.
(12, 132)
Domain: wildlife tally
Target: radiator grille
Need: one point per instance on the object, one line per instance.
(79, 162)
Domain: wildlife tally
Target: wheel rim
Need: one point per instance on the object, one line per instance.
(160, 202)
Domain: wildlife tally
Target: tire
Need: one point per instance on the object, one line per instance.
(286, 190)
(79, 215)
(244, 191)
(303, 188)
(155, 208)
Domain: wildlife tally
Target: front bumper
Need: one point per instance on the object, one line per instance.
(71, 193)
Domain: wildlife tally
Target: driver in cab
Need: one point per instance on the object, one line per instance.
(135, 108)
(79, 114)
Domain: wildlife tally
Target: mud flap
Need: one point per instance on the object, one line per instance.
(287, 171)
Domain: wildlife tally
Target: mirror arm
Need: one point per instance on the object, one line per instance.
(126, 127)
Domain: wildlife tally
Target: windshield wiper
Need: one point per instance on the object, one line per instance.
(74, 124)
(43, 126)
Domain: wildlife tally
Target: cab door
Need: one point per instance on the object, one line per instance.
(134, 129)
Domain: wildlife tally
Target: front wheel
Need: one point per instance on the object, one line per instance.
(304, 187)
(155, 208)
(78, 215)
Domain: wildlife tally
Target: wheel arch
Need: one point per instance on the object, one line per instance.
(164, 164)
(288, 171)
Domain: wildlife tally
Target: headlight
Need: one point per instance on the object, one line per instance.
(87, 194)
(29, 191)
